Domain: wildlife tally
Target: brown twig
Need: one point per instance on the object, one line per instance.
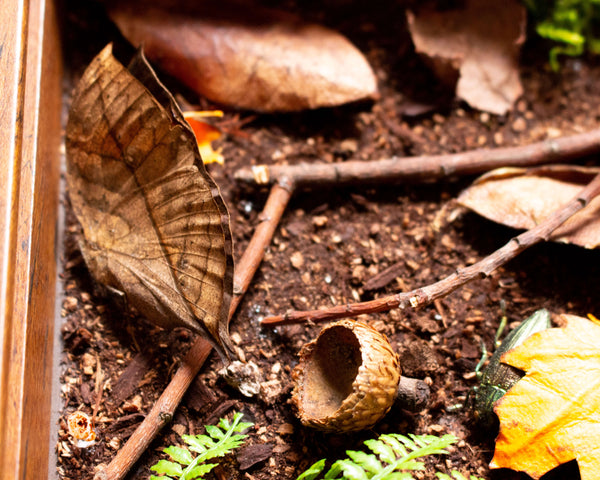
(425, 295)
(164, 408)
(425, 168)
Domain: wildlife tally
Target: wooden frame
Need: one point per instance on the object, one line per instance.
(30, 106)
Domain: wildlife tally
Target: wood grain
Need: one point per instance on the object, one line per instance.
(30, 72)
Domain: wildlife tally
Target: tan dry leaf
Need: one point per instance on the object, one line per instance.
(476, 46)
(552, 415)
(154, 224)
(522, 198)
(247, 56)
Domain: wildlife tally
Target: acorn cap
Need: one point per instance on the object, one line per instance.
(346, 379)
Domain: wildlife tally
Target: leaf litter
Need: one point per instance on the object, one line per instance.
(526, 284)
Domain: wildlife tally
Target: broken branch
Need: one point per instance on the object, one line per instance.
(164, 408)
(426, 295)
(424, 168)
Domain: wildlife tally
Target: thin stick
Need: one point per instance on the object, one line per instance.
(164, 408)
(425, 295)
(426, 168)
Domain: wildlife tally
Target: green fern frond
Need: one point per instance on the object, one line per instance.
(572, 25)
(221, 440)
(313, 471)
(456, 475)
(393, 457)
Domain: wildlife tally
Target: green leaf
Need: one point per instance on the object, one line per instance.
(205, 446)
(199, 471)
(456, 475)
(224, 423)
(571, 24)
(199, 443)
(166, 467)
(435, 445)
(560, 34)
(368, 462)
(409, 443)
(238, 425)
(334, 471)
(396, 446)
(399, 476)
(180, 455)
(242, 426)
(384, 451)
(313, 471)
(394, 456)
(224, 447)
(412, 465)
(162, 477)
(352, 471)
(215, 432)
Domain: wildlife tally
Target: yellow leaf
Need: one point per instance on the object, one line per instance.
(205, 135)
(552, 415)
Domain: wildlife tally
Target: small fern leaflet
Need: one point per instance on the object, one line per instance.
(221, 440)
(393, 457)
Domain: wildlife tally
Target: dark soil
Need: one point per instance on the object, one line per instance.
(116, 364)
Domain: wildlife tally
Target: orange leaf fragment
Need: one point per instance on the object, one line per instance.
(552, 415)
(206, 134)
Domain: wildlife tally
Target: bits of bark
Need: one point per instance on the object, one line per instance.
(251, 455)
(413, 394)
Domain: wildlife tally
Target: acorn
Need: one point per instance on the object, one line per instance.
(346, 379)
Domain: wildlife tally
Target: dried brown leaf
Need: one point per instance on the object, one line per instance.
(476, 46)
(247, 56)
(522, 198)
(154, 224)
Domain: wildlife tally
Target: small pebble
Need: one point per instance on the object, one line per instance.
(319, 221)
(519, 125)
(297, 260)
